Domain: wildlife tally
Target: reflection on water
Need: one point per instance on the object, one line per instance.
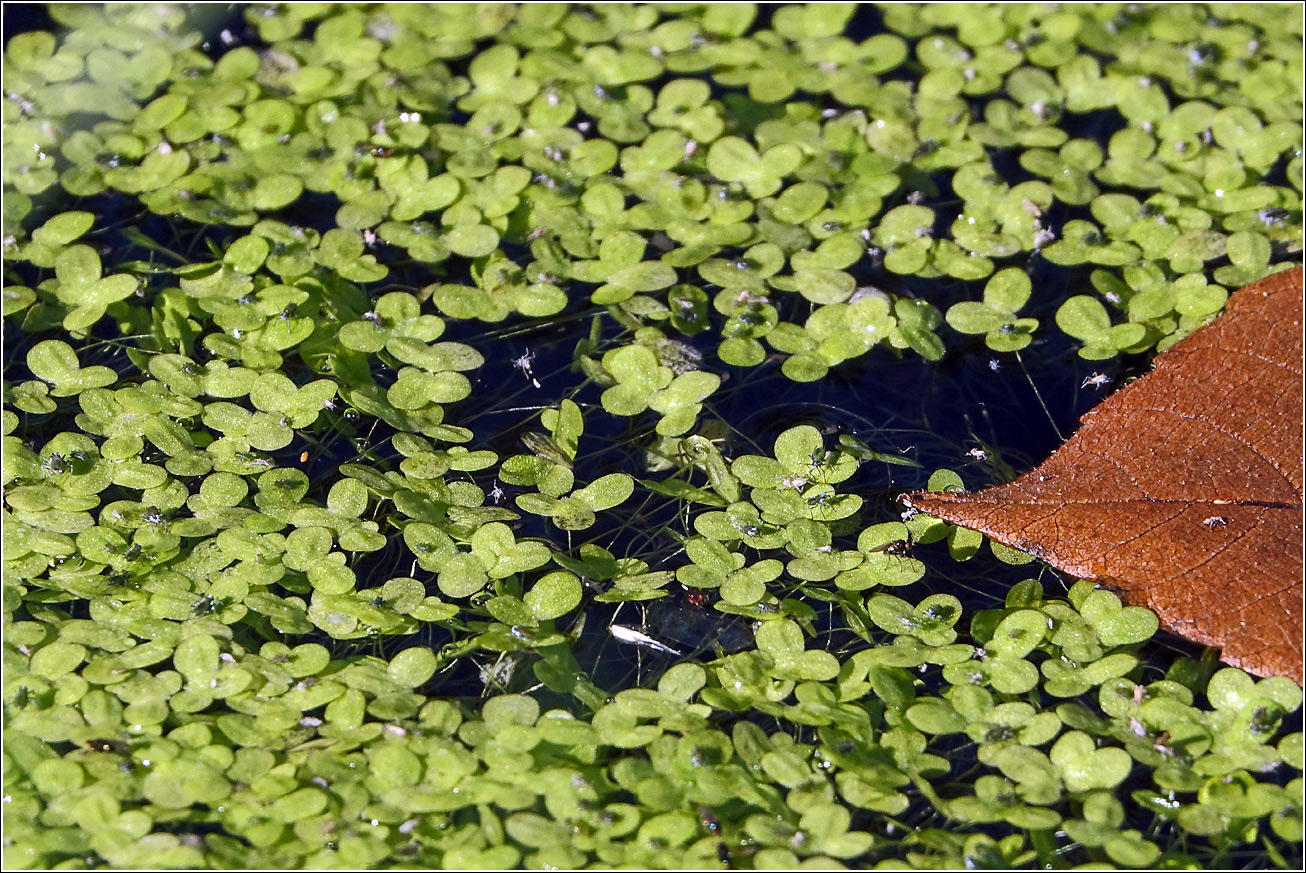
(696, 630)
(641, 640)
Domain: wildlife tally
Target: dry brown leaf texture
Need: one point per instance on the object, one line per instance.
(1184, 489)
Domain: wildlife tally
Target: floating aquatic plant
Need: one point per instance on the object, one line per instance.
(364, 360)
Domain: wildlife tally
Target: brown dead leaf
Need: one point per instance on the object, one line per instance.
(1183, 489)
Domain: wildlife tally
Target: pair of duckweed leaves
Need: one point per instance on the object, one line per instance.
(643, 382)
(549, 469)
(82, 289)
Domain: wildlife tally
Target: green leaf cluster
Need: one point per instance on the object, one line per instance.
(261, 533)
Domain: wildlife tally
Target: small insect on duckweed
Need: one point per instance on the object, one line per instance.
(897, 548)
(1263, 721)
(204, 606)
(1273, 216)
(525, 363)
(821, 498)
(1097, 380)
(1139, 695)
(697, 598)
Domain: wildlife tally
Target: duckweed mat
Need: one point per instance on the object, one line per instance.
(466, 436)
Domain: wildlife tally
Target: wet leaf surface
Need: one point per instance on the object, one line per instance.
(1184, 490)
